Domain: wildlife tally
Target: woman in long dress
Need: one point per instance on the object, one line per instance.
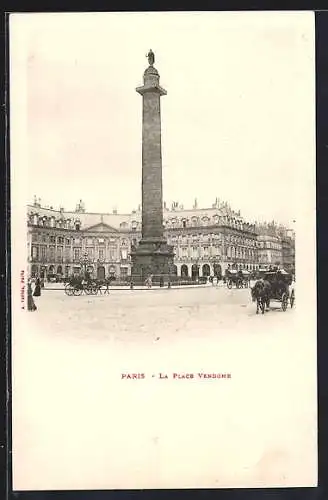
(37, 289)
(30, 302)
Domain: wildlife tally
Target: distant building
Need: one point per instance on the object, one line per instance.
(206, 241)
(276, 246)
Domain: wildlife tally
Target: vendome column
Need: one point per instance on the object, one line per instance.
(153, 256)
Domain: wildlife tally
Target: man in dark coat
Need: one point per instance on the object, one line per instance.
(30, 302)
(37, 289)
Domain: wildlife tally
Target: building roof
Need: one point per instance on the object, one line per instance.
(116, 220)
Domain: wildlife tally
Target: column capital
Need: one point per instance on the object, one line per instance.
(151, 82)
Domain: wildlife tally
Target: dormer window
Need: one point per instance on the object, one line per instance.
(77, 225)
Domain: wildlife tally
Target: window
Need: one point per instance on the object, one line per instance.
(76, 253)
(124, 271)
(112, 253)
(34, 252)
(76, 241)
(35, 237)
(101, 254)
(101, 241)
(89, 241)
(184, 223)
(52, 239)
(205, 250)
(68, 241)
(67, 253)
(124, 254)
(194, 252)
(90, 253)
(59, 252)
(43, 252)
(52, 253)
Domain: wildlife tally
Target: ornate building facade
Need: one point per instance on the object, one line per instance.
(276, 246)
(206, 241)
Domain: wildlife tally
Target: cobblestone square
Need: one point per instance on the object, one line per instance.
(71, 405)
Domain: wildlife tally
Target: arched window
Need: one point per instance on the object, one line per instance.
(184, 271)
(206, 270)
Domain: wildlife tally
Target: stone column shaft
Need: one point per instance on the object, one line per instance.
(152, 197)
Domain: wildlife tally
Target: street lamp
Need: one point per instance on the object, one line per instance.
(85, 261)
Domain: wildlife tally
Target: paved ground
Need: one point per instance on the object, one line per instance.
(77, 424)
(144, 315)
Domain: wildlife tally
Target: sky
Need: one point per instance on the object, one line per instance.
(238, 119)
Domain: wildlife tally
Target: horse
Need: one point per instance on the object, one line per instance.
(105, 282)
(261, 293)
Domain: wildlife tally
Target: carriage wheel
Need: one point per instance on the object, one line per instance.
(94, 290)
(69, 289)
(77, 291)
(284, 301)
(229, 284)
(88, 290)
(292, 299)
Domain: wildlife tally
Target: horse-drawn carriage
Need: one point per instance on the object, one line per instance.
(273, 286)
(78, 285)
(240, 279)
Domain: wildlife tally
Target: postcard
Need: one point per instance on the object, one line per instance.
(163, 252)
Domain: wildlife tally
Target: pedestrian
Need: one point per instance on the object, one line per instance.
(150, 281)
(161, 282)
(37, 289)
(30, 302)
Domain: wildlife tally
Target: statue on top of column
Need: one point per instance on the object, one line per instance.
(151, 57)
